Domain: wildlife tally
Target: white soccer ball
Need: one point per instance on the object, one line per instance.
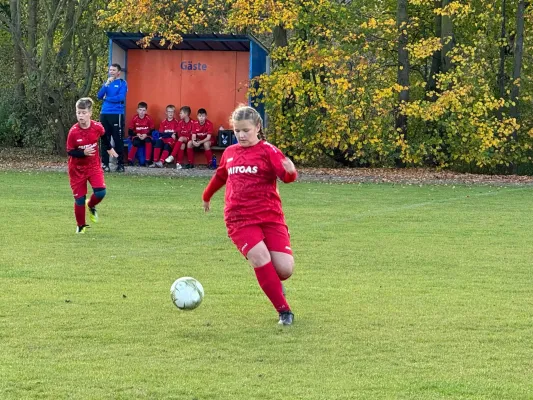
(186, 293)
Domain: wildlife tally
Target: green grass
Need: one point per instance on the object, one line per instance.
(400, 292)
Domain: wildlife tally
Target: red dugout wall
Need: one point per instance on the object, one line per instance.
(216, 81)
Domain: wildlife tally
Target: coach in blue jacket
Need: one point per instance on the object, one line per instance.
(113, 93)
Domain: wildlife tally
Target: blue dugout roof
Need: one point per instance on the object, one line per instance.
(194, 41)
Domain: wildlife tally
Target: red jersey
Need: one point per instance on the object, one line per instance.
(167, 128)
(250, 175)
(79, 138)
(186, 128)
(142, 126)
(201, 131)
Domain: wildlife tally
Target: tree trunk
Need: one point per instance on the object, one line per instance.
(514, 111)
(14, 8)
(33, 9)
(436, 58)
(280, 36)
(503, 38)
(448, 39)
(62, 131)
(403, 64)
(517, 64)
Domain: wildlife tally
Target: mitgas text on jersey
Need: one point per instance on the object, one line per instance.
(240, 169)
(87, 146)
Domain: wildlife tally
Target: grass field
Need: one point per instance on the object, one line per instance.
(400, 292)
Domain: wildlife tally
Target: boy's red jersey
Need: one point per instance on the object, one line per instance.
(142, 126)
(201, 131)
(250, 175)
(186, 128)
(167, 128)
(79, 138)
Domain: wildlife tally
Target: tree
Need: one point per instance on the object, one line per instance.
(403, 64)
(55, 63)
(517, 63)
(353, 83)
(166, 20)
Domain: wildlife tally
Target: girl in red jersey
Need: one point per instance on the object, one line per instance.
(84, 163)
(253, 214)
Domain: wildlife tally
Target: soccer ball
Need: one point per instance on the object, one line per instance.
(186, 293)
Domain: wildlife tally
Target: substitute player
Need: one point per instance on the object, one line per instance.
(253, 214)
(202, 135)
(167, 137)
(84, 162)
(184, 136)
(140, 132)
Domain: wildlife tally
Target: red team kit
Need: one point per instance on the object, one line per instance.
(85, 169)
(252, 199)
(170, 133)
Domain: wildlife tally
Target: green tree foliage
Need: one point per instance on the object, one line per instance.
(57, 50)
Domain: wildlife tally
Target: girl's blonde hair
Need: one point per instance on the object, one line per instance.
(85, 103)
(247, 113)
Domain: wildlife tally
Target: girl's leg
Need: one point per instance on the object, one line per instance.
(267, 276)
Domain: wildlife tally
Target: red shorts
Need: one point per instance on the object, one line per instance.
(212, 141)
(187, 136)
(275, 235)
(78, 183)
(169, 141)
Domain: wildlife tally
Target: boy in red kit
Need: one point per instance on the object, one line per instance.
(140, 131)
(184, 136)
(253, 215)
(167, 138)
(202, 135)
(84, 163)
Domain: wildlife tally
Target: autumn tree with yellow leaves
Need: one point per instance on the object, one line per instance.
(415, 82)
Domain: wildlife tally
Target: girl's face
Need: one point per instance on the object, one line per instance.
(246, 132)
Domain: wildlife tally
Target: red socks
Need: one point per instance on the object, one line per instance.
(164, 155)
(269, 281)
(175, 150)
(190, 155)
(132, 152)
(181, 152)
(79, 212)
(208, 156)
(148, 150)
(94, 201)
(157, 154)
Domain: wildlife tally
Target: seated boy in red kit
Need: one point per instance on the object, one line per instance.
(183, 137)
(140, 132)
(167, 137)
(202, 135)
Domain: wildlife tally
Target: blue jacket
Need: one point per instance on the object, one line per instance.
(114, 97)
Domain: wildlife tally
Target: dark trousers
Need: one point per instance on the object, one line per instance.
(114, 128)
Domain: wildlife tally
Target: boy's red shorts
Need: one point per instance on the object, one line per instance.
(275, 235)
(187, 136)
(78, 183)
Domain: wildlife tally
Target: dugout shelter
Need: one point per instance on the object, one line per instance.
(211, 71)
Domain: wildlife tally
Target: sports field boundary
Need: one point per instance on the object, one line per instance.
(31, 161)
